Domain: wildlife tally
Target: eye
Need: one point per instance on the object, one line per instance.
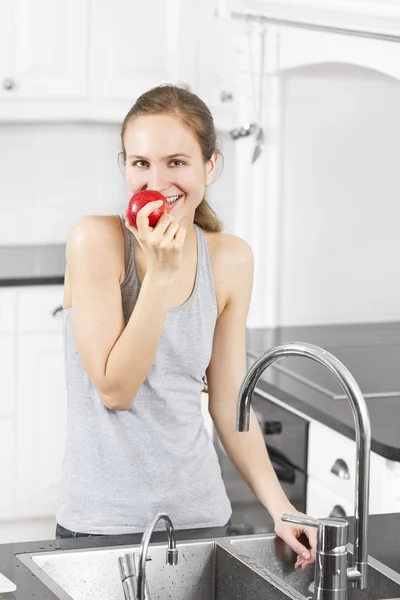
(176, 161)
(140, 164)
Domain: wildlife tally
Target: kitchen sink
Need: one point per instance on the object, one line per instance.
(271, 552)
(209, 569)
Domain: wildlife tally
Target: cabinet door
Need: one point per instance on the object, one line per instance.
(41, 423)
(6, 44)
(7, 350)
(46, 47)
(332, 461)
(138, 45)
(323, 502)
(217, 71)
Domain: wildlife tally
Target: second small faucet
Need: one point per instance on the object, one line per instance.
(133, 567)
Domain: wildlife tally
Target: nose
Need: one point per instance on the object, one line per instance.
(158, 178)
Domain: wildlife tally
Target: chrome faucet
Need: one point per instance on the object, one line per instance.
(133, 566)
(329, 529)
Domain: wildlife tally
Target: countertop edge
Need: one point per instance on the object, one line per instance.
(311, 413)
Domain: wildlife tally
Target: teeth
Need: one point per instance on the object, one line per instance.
(173, 199)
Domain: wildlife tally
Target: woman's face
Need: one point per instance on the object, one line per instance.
(163, 155)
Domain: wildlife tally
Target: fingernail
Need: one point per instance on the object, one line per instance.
(306, 555)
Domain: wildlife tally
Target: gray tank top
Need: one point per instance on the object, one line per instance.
(121, 467)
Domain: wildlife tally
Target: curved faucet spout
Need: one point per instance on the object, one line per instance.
(362, 428)
(172, 552)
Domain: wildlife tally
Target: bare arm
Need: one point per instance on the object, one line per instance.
(225, 375)
(117, 358)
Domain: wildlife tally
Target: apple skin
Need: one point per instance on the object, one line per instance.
(139, 200)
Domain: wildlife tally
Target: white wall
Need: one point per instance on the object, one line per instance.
(341, 197)
(50, 174)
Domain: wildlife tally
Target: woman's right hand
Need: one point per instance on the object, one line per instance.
(162, 245)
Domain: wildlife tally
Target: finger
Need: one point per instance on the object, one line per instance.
(298, 547)
(148, 208)
(162, 225)
(180, 237)
(170, 232)
(312, 540)
(142, 218)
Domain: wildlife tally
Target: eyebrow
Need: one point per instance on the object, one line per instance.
(165, 157)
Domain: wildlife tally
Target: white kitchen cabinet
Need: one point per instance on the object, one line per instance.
(330, 451)
(217, 65)
(43, 49)
(32, 401)
(324, 502)
(7, 352)
(137, 45)
(41, 423)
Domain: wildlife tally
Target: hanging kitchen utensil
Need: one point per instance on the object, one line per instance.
(260, 133)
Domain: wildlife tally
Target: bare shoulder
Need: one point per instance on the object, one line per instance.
(95, 235)
(97, 241)
(232, 263)
(227, 250)
(94, 230)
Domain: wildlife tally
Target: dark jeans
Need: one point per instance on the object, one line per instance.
(63, 533)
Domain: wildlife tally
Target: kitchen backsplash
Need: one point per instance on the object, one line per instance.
(50, 174)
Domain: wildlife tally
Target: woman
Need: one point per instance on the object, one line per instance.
(148, 312)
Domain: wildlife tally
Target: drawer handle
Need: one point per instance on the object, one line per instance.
(57, 312)
(340, 469)
(338, 511)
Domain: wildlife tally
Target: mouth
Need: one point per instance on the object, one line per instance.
(172, 200)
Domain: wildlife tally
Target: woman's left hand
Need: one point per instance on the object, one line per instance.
(290, 532)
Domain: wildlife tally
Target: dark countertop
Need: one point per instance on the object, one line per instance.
(371, 352)
(32, 265)
(383, 545)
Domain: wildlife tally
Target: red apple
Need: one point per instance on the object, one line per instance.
(139, 200)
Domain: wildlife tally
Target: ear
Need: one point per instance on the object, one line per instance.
(211, 168)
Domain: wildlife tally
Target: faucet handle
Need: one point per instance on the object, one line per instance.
(300, 520)
(333, 532)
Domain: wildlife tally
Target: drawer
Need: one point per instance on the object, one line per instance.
(390, 485)
(7, 309)
(332, 461)
(322, 502)
(36, 307)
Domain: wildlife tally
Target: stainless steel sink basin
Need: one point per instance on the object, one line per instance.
(269, 551)
(209, 569)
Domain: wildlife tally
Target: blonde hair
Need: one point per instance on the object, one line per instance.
(196, 116)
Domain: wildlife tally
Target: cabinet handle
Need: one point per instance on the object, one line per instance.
(8, 83)
(226, 96)
(338, 511)
(57, 312)
(340, 469)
